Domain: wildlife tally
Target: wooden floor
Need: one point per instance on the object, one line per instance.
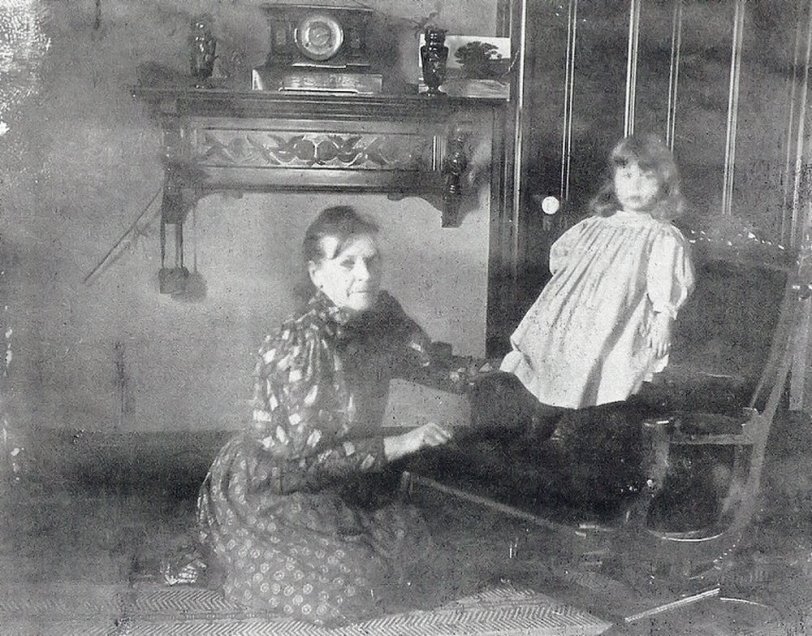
(68, 524)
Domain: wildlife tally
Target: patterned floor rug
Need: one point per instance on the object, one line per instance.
(152, 609)
(503, 611)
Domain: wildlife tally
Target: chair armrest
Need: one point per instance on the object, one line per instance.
(682, 428)
(411, 404)
(698, 428)
(453, 374)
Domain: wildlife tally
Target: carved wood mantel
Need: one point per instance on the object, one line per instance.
(403, 145)
(251, 140)
(215, 140)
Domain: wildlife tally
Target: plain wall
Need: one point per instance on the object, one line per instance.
(81, 164)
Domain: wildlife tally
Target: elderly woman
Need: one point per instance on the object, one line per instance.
(287, 510)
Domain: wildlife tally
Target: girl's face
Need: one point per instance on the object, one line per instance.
(351, 278)
(637, 190)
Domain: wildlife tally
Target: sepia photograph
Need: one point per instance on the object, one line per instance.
(476, 66)
(424, 318)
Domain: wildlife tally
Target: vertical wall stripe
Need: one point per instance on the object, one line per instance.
(569, 91)
(797, 195)
(733, 108)
(673, 73)
(518, 140)
(790, 142)
(631, 66)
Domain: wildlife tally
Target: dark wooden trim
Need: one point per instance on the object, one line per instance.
(503, 255)
(265, 104)
(501, 259)
(265, 141)
(403, 145)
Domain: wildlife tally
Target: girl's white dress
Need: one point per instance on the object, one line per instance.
(584, 340)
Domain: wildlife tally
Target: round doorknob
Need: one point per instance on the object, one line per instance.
(550, 205)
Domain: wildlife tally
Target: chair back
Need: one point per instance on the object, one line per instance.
(731, 334)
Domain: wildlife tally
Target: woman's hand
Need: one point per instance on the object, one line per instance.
(659, 337)
(428, 435)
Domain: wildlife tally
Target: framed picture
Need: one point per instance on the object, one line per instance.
(478, 66)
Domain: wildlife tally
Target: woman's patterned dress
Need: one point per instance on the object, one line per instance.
(299, 510)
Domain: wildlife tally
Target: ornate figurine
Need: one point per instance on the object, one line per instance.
(434, 56)
(203, 45)
(454, 165)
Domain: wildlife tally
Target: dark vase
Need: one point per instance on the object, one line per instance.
(203, 45)
(434, 56)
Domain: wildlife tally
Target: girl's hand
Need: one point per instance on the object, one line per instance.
(428, 435)
(659, 337)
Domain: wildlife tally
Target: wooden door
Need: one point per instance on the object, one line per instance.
(573, 110)
(724, 82)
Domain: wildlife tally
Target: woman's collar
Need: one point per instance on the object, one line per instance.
(342, 321)
(328, 310)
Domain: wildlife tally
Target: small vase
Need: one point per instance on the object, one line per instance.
(434, 56)
(203, 46)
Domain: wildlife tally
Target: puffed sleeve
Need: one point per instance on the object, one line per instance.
(670, 277)
(301, 413)
(560, 250)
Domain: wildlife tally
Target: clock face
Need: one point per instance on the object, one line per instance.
(319, 36)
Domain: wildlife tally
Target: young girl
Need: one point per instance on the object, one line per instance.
(602, 325)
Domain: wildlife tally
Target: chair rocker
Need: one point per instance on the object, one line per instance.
(745, 429)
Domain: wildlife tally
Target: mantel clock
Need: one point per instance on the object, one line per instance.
(318, 48)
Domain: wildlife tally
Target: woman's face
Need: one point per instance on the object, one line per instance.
(637, 190)
(351, 278)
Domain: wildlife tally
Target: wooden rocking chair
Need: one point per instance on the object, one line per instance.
(724, 387)
(754, 296)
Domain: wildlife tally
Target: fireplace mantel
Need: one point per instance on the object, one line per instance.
(403, 145)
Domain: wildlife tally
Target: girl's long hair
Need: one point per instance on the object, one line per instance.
(650, 153)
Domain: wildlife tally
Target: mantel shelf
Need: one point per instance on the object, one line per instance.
(249, 103)
(402, 145)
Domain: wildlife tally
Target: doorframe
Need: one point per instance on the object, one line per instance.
(503, 251)
(797, 219)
